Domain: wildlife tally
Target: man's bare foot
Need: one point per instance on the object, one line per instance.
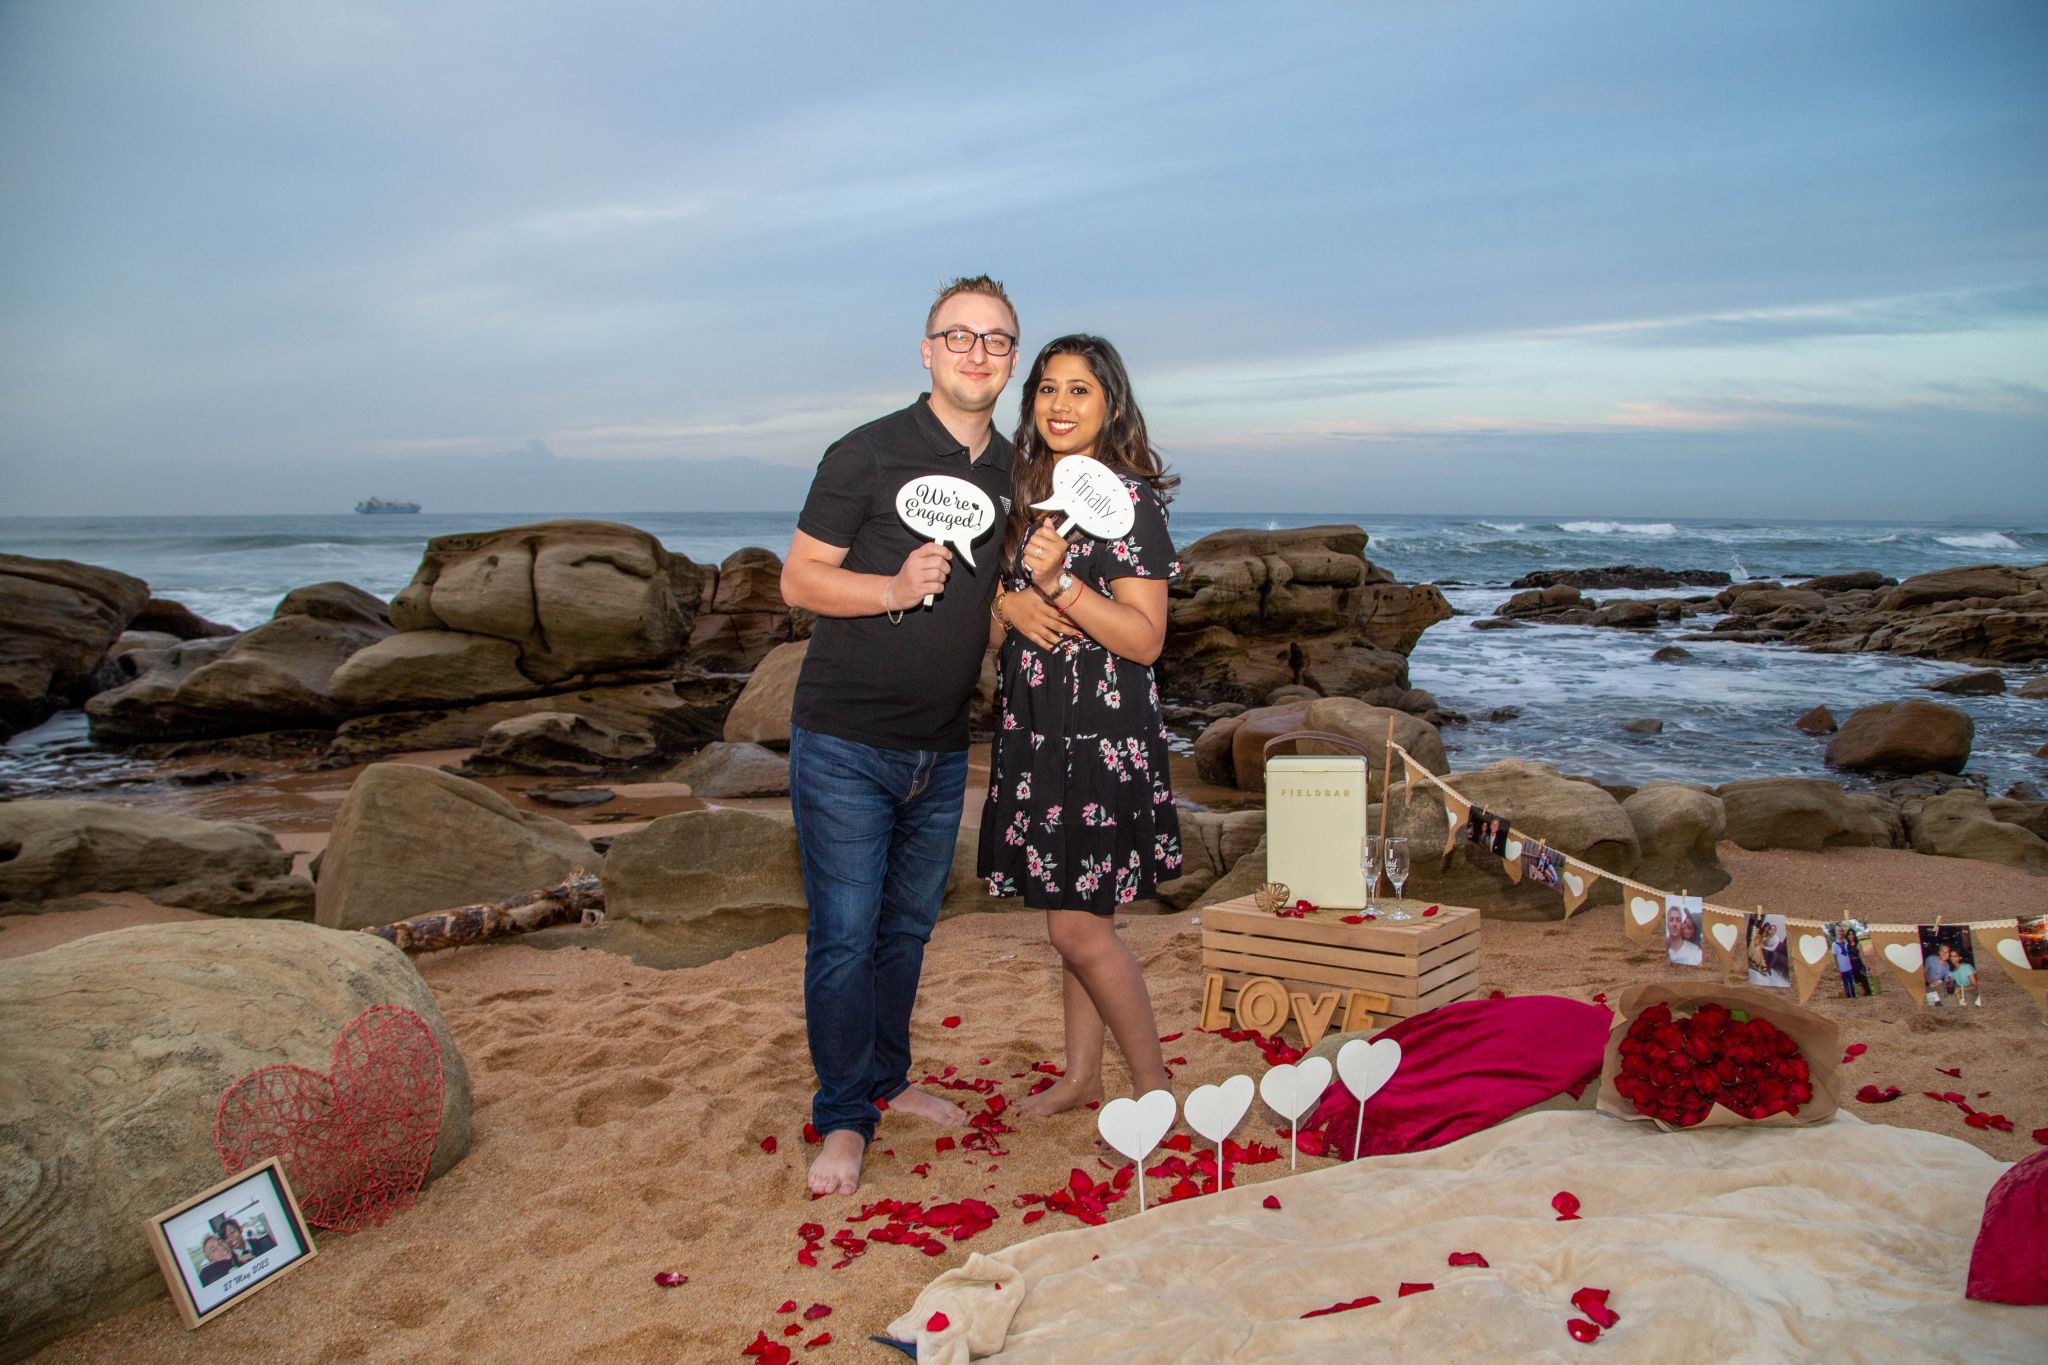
(1063, 1094)
(920, 1104)
(837, 1169)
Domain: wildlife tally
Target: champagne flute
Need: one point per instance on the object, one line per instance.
(1397, 873)
(1369, 864)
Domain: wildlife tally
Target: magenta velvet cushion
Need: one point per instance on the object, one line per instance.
(2010, 1263)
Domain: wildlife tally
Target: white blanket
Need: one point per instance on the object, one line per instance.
(1845, 1241)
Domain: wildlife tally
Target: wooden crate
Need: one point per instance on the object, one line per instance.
(1417, 964)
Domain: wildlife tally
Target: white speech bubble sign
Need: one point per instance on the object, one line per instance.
(949, 510)
(1089, 495)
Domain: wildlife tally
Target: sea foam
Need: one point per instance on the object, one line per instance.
(1619, 528)
(1980, 540)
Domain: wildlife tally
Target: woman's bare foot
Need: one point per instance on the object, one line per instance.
(1061, 1095)
(837, 1169)
(923, 1105)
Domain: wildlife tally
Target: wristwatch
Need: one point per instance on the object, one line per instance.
(1062, 583)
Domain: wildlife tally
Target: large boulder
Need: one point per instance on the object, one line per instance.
(1212, 843)
(1678, 828)
(1960, 824)
(421, 668)
(745, 615)
(575, 597)
(118, 1049)
(557, 744)
(409, 839)
(1256, 729)
(1215, 761)
(1257, 610)
(678, 716)
(56, 620)
(1903, 737)
(728, 771)
(761, 715)
(1566, 813)
(1809, 813)
(275, 677)
(703, 864)
(53, 850)
(1971, 582)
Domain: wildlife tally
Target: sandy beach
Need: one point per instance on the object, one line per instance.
(621, 1115)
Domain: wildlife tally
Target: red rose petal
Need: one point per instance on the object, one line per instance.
(1954, 1071)
(1582, 1330)
(950, 1021)
(822, 1339)
(816, 1311)
(769, 1352)
(1593, 1303)
(2041, 1136)
(670, 1279)
(1407, 1289)
(944, 1144)
(768, 1144)
(1271, 1201)
(1033, 1216)
(788, 1306)
(1173, 1037)
(1368, 1301)
(881, 1106)
(1469, 1258)
(1431, 911)
(1353, 919)
(811, 1134)
(937, 1322)
(1854, 1050)
(792, 1329)
(1567, 1205)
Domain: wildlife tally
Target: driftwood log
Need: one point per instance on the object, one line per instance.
(579, 899)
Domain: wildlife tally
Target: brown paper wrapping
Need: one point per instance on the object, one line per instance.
(1820, 1042)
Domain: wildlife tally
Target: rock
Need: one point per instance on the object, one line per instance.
(1671, 654)
(1809, 813)
(761, 715)
(1903, 737)
(701, 864)
(422, 668)
(1417, 702)
(745, 616)
(724, 771)
(178, 621)
(1497, 623)
(1255, 729)
(118, 1049)
(1540, 602)
(56, 620)
(409, 839)
(2035, 690)
(1214, 761)
(1818, 721)
(2030, 813)
(1500, 715)
(1367, 725)
(1644, 725)
(1574, 816)
(2023, 791)
(1859, 580)
(1627, 615)
(1623, 576)
(1288, 692)
(1769, 601)
(575, 597)
(1983, 682)
(572, 798)
(1245, 876)
(53, 850)
(557, 744)
(1959, 824)
(1212, 843)
(275, 677)
(1989, 582)
(1678, 828)
(1256, 610)
(676, 723)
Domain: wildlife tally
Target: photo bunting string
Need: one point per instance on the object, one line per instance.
(1782, 951)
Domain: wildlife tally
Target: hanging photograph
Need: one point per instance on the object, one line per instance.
(2033, 936)
(221, 1246)
(1542, 865)
(1770, 960)
(1684, 931)
(1949, 966)
(1849, 942)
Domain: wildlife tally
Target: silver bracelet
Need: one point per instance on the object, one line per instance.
(895, 617)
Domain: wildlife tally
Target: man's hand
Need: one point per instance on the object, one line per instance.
(922, 575)
(1032, 617)
(1045, 555)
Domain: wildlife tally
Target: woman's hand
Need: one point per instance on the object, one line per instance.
(1045, 555)
(1032, 617)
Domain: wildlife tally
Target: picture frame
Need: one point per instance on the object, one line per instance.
(249, 1223)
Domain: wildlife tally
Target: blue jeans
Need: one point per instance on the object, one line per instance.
(876, 829)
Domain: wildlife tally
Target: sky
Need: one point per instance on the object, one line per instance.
(1547, 258)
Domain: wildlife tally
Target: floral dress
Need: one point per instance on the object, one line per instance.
(1080, 812)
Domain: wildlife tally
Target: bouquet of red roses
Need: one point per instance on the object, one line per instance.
(1691, 1056)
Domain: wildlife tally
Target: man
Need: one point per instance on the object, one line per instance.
(878, 735)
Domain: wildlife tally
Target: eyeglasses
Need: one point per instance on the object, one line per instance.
(960, 340)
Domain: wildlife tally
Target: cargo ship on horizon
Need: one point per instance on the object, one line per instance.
(379, 505)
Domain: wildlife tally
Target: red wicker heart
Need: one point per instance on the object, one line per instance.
(354, 1141)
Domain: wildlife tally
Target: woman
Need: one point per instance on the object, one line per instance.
(1079, 818)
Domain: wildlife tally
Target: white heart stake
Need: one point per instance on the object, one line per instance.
(1643, 909)
(1214, 1111)
(1724, 934)
(1134, 1127)
(1365, 1067)
(1813, 948)
(1289, 1089)
(2013, 951)
(1905, 956)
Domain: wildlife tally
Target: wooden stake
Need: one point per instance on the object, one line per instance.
(1386, 782)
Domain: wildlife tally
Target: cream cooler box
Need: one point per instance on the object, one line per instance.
(1315, 820)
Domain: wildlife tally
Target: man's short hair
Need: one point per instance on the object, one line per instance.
(968, 284)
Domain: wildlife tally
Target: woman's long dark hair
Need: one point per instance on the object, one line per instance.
(1124, 446)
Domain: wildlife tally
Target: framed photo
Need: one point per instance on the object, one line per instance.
(218, 1248)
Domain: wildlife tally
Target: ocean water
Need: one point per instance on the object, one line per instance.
(1727, 713)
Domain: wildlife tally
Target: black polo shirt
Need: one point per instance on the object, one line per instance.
(907, 684)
